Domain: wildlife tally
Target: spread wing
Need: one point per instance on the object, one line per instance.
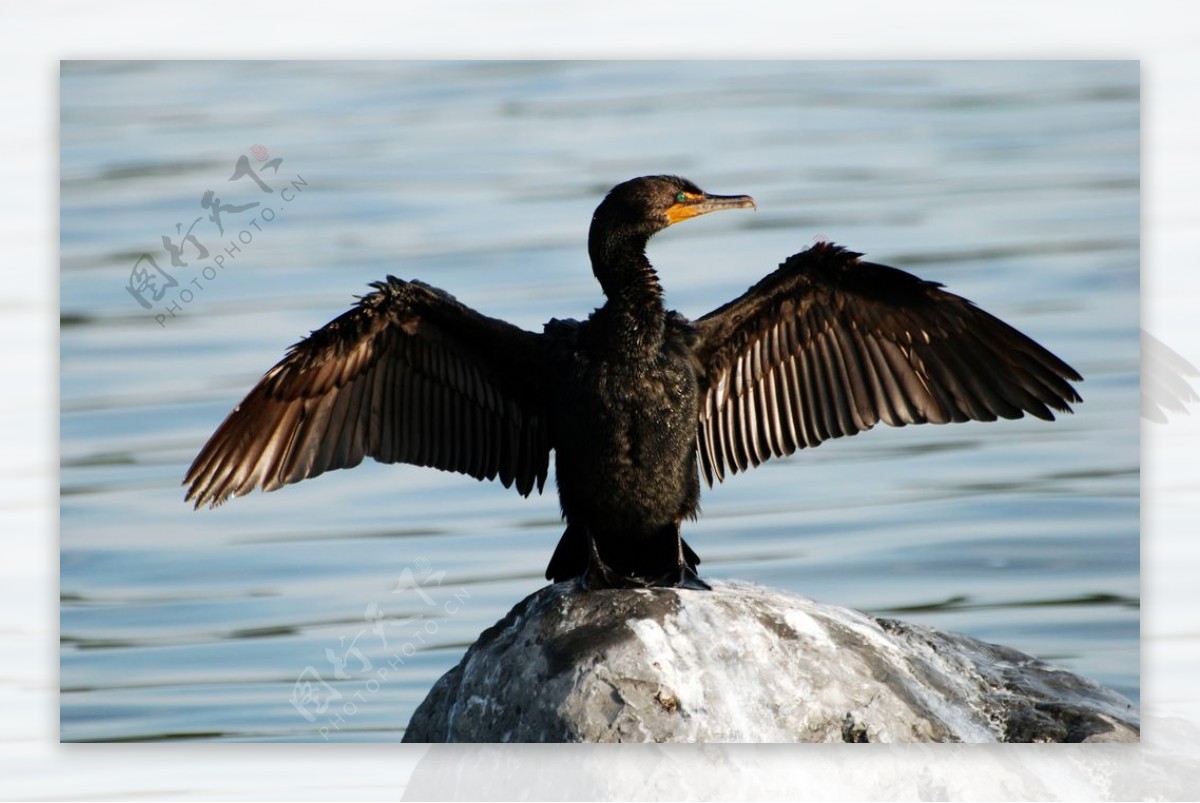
(408, 375)
(828, 346)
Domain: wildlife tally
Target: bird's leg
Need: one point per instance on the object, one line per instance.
(682, 575)
(598, 573)
(685, 576)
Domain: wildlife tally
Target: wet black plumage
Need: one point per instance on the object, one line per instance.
(636, 402)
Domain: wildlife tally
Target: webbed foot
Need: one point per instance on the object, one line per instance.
(600, 575)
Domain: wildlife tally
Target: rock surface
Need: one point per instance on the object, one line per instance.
(743, 663)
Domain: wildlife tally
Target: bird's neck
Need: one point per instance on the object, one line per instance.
(635, 302)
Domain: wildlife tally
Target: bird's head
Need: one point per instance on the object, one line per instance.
(651, 203)
(646, 205)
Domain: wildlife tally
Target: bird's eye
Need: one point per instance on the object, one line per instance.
(681, 197)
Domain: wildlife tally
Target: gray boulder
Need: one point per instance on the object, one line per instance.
(743, 663)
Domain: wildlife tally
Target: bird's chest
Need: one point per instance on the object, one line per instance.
(629, 412)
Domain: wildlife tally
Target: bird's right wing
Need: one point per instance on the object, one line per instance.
(828, 346)
(408, 375)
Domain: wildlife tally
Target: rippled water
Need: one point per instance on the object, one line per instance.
(326, 610)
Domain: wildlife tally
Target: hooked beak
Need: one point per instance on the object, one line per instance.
(696, 205)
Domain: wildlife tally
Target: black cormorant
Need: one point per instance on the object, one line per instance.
(636, 402)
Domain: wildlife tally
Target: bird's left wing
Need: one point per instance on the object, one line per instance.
(408, 375)
(828, 346)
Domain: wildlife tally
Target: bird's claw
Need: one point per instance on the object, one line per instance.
(600, 575)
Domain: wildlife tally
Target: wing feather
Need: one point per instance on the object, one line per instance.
(827, 346)
(407, 375)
